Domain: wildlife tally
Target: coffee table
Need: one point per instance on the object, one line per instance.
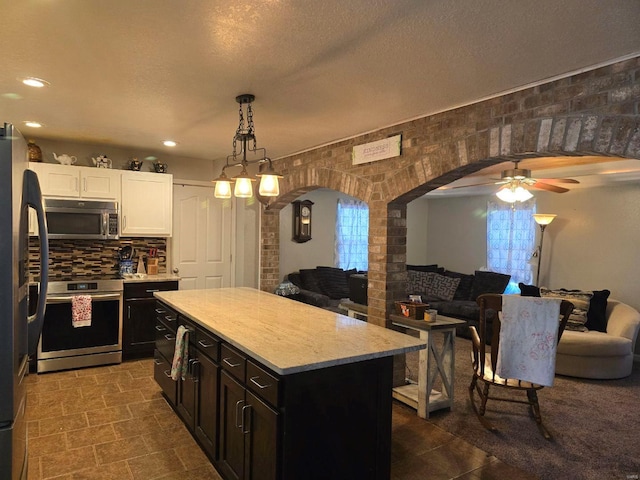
(355, 310)
(434, 362)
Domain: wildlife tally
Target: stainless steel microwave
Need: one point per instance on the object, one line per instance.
(81, 219)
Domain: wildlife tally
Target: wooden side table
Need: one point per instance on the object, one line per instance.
(433, 363)
(355, 310)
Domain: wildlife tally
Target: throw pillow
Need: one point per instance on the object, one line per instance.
(419, 283)
(463, 291)
(488, 282)
(310, 280)
(296, 279)
(580, 300)
(597, 314)
(443, 288)
(333, 282)
(528, 290)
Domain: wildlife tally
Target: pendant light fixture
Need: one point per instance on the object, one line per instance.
(244, 141)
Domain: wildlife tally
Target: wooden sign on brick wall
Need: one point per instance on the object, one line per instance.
(374, 151)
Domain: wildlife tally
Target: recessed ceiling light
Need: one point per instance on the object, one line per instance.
(169, 143)
(35, 82)
(31, 124)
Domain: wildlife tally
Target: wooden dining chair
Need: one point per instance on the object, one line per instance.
(485, 359)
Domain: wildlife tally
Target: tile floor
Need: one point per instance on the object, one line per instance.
(112, 423)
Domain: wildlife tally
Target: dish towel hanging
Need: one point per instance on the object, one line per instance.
(81, 311)
(180, 354)
(528, 339)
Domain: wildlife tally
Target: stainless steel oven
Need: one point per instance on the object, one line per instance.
(62, 345)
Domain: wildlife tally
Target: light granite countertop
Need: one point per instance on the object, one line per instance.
(285, 335)
(161, 277)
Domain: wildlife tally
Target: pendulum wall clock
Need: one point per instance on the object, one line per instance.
(302, 220)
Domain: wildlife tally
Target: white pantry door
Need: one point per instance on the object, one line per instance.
(201, 243)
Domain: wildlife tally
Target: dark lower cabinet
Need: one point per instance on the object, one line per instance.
(139, 317)
(162, 375)
(231, 458)
(249, 431)
(261, 440)
(187, 391)
(206, 420)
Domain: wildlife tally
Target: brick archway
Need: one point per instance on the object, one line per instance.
(593, 113)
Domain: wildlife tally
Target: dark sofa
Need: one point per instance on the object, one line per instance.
(453, 293)
(323, 287)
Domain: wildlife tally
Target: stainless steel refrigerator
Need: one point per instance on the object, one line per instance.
(19, 332)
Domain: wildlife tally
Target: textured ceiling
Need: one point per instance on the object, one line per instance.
(134, 73)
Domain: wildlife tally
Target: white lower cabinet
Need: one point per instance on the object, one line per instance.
(146, 209)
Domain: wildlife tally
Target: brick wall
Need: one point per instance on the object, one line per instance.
(595, 112)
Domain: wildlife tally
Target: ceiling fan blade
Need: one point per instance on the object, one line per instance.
(559, 180)
(550, 188)
(447, 187)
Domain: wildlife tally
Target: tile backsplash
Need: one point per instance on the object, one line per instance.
(91, 257)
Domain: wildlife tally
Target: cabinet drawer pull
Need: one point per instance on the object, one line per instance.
(169, 337)
(204, 344)
(232, 365)
(157, 362)
(167, 373)
(170, 318)
(160, 311)
(151, 290)
(255, 382)
(238, 403)
(160, 328)
(246, 426)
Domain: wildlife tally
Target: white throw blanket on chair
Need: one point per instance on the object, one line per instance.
(528, 339)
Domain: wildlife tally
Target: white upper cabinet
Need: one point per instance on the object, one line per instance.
(146, 204)
(71, 181)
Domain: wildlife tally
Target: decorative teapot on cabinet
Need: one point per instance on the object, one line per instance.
(65, 159)
(102, 161)
(135, 164)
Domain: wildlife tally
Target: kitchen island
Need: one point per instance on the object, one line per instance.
(278, 389)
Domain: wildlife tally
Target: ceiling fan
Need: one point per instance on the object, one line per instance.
(515, 184)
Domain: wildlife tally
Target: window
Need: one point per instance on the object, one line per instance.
(352, 235)
(511, 235)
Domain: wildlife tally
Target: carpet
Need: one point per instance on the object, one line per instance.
(595, 425)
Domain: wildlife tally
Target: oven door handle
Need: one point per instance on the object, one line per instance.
(99, 296)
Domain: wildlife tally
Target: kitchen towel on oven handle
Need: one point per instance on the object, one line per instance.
(180, 354)
(81, 310)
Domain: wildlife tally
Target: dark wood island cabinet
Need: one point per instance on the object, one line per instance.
(139, 319)
(280, 390)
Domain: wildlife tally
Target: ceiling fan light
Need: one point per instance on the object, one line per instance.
(522, 194)
(512, 194)
(506, 195)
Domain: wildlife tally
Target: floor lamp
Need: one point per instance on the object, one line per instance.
(542, 219)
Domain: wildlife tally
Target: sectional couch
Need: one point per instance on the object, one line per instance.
(323, 287)
(453, 293)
